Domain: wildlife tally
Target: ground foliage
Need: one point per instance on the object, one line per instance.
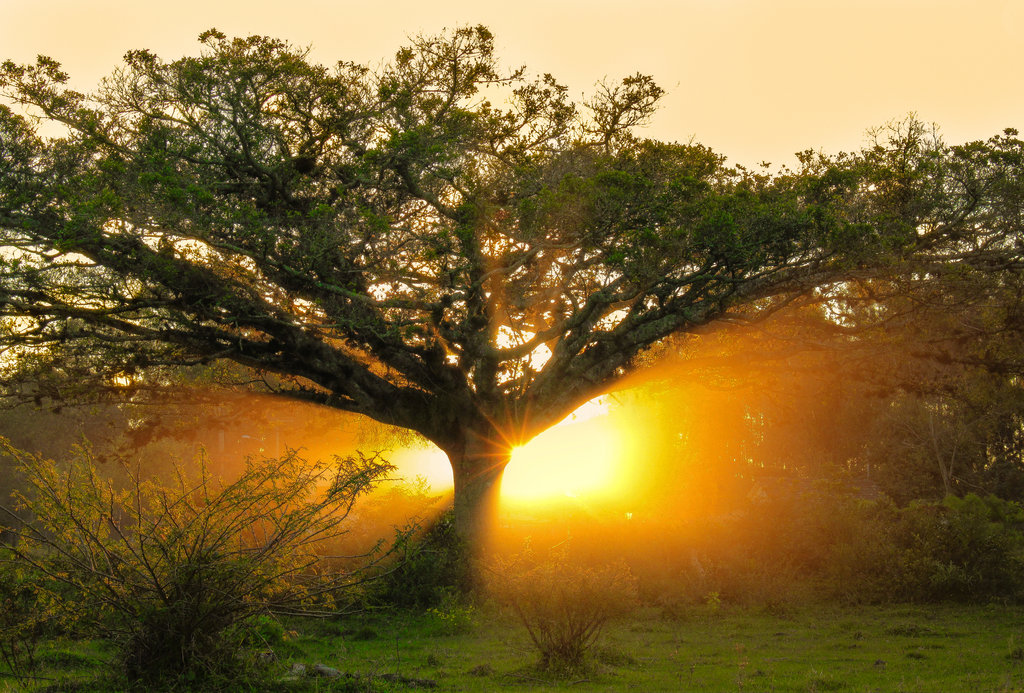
(931, 649)
(431, 568)
(821, 547)
(563, 604)
(175, 573)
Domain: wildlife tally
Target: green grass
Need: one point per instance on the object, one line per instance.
(914, 648)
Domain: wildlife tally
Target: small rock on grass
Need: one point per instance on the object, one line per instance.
(325, 671)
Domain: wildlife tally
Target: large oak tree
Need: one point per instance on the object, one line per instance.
(434, 243)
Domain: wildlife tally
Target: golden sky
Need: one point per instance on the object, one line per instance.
(754, 79)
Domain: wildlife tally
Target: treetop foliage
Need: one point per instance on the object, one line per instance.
(439, 243)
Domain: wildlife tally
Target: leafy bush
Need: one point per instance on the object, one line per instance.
(22, 620)
(453, 616)
(564, 605)
(262, 631)
(429, 568)
(175, 573)
(965, 549)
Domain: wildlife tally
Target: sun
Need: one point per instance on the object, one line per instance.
(584, 457)
(578, 457)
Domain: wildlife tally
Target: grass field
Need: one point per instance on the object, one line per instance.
(912, 648)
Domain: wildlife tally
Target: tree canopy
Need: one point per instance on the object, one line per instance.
(437, 243)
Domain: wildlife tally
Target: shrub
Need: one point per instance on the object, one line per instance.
(453, 616)
(430, 568)
(22, 620)
(965, 549)
(174, 573)
(565, 606)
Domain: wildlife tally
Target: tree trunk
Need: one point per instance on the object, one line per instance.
(477, 467)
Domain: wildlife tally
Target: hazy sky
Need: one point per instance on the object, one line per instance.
(754, 79)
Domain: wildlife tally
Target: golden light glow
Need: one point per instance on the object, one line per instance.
(579, 457)
(429, 463)
(583, 456)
